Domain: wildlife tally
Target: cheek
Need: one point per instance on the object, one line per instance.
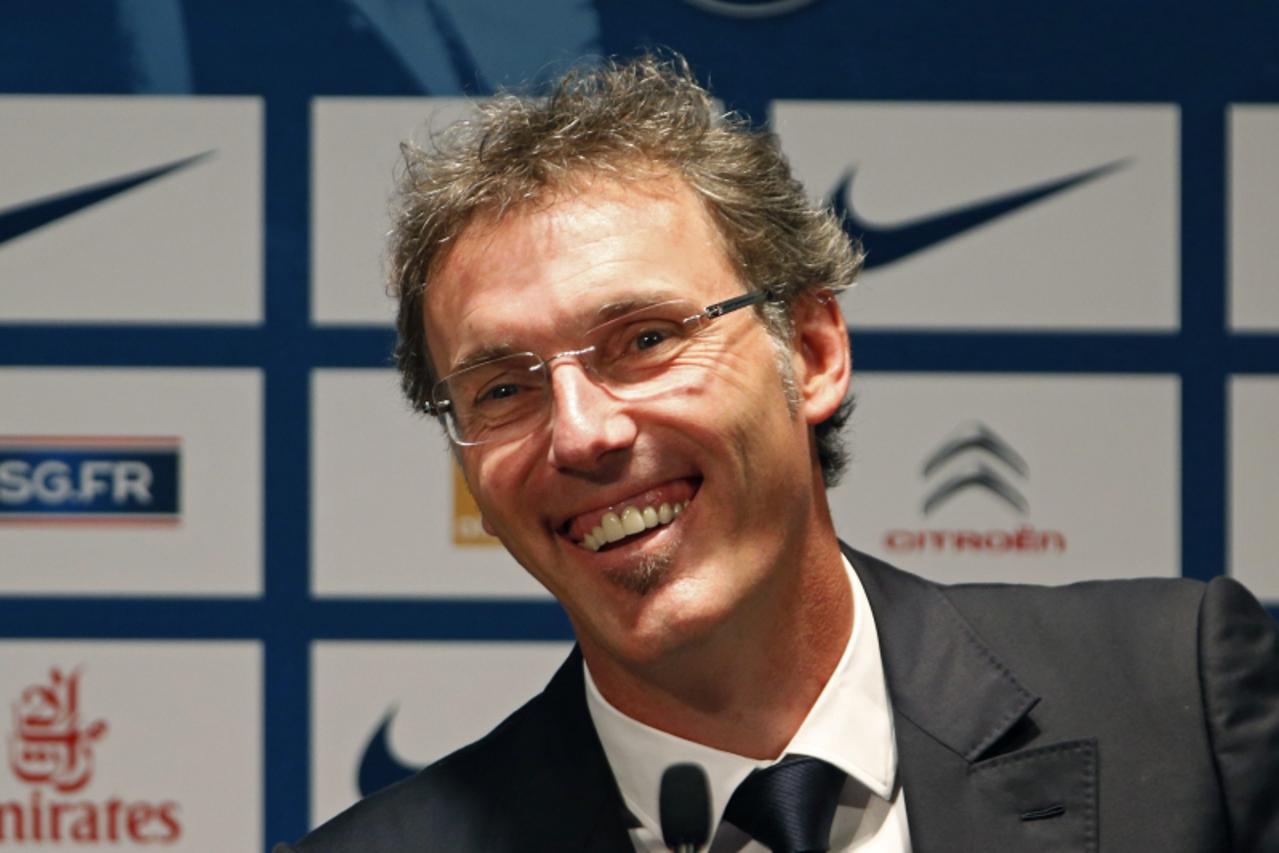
(752, 395)
(499, 482)
(740, 404)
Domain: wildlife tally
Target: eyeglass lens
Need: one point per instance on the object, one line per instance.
(639, 355)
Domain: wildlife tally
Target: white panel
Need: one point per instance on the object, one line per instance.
(387, 518)
(1254, 210)
(1254, 483)
(1087, 465)
(355, 156)
(183, 247)
(161, 748)
(442, 695)
(1102, 254)
(215, 548)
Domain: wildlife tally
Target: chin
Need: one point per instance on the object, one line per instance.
(673, 617)
(645, 574)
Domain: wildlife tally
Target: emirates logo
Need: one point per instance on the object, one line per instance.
(50, 743)
(51, 751)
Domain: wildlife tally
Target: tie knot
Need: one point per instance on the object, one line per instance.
(789, 806)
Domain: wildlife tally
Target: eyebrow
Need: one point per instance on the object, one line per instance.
(612, 310)
(481, 355)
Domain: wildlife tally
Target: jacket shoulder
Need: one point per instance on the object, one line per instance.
(1029, 610)
(1142, 629)
(450, 804)
(1163, 603)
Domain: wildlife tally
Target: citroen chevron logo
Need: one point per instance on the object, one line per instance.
(31, 215)
(886, 244)
(976, 438)
(379, 767)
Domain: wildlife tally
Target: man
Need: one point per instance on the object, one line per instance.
(622, 310)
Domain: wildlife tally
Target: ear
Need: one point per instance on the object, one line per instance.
(821, 355)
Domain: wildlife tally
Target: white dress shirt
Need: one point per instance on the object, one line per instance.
(850, 725)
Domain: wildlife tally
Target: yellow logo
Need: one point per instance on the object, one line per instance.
(468, 526)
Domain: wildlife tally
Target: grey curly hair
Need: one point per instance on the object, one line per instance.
(625, 119)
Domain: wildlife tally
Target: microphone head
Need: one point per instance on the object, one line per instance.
(685, 805)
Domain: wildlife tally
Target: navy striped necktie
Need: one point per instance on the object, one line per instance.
(789, 806)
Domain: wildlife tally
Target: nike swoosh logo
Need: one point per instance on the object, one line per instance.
(888, 243)
(378, 767)
(27, 217)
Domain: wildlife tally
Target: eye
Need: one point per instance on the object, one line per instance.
(505, 394)
(499, 392)
(643, 340)
(649, 338)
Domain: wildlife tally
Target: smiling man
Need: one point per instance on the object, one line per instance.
(621, 308)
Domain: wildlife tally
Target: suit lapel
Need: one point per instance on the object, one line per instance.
(571, 803)
(953, 702)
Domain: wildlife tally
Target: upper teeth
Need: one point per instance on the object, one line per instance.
(613, 527)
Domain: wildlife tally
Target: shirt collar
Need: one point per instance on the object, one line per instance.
(850, 725)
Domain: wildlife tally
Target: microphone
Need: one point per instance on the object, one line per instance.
(685, 808)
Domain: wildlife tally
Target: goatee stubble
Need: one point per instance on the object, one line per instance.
(644, 574)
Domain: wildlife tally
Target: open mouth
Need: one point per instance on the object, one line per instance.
(632, 518)
(614, 528)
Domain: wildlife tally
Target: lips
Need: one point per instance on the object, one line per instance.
(614, 528)
(630, 516)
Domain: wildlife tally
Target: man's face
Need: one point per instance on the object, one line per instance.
(726, 445)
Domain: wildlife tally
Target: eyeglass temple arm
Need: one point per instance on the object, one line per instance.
(719, 309)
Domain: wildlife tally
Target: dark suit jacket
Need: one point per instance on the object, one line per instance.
(1121, 716)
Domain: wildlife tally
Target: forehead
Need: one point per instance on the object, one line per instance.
(538, 274)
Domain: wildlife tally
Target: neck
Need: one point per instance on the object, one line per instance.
(747, 687)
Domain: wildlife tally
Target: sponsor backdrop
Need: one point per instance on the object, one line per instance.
(240, 584)
(131, 745)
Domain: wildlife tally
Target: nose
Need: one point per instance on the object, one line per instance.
(587, 423)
